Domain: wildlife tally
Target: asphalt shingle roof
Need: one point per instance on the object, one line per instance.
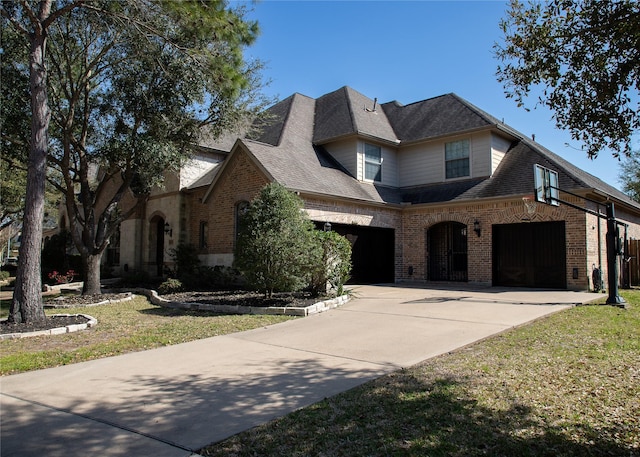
(444, 115)
(348, 112)
(302, 166)
(289, 148)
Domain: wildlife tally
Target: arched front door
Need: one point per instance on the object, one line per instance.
(447, 252)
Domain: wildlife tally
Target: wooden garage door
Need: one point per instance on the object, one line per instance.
(372, 252)
(530, 255)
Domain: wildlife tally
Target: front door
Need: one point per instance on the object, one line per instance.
(447, 255)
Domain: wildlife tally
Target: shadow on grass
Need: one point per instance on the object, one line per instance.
(401, 415)
(175, 312)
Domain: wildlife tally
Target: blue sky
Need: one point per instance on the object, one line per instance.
(402, 50)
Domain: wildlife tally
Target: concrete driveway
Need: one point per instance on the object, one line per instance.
(173, 400)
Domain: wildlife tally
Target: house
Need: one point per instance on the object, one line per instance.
(437, 190)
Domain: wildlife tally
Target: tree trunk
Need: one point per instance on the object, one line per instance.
(26, 305)
(92, 274)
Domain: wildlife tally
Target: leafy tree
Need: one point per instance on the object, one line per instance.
(276, 249)
(630, 175)
(14, 181)
(584, 59)
(134, 83)
(15, 118)
(32, 22)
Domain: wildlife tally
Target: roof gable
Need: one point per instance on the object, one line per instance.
(435, 117)
(268, 129)
(288, 149)
(347, 112)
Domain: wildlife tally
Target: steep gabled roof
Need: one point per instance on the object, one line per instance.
(288, 148)
(347, 112)
(206, 179)
(302, 166)
(268, 129)
(435, 117)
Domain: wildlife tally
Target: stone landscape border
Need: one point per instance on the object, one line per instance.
(300, 311)
(91, 322)
(154, 298)
(53, 305)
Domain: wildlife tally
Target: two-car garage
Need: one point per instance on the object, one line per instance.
(524, 254)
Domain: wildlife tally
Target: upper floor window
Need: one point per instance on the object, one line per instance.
(372, 162)
(456, 158)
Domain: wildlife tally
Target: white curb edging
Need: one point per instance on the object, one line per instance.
(91, 322)
(316, 308)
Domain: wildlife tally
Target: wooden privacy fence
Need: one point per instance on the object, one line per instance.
(631, 268)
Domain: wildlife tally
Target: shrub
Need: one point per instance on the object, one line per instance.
(4, 275)
(202, 277)
(333, 269)
(275, 249)
(170, 286)
(186, 259)
(61, 278)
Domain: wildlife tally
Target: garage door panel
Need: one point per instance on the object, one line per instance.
(530, 255)
(372, 252)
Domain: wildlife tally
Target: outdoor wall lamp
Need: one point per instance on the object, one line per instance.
(168, 229)
(476, 227)
(327, 226)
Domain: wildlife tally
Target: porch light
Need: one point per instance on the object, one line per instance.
(327, 226)
(167, 229)
(476, 227)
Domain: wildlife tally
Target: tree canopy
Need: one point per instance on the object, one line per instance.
(630, 175)
(123, 90)
(582, 60)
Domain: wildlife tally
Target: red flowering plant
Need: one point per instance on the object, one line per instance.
(60, 278)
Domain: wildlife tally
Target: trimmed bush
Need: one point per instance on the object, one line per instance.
(170, 286)
(276, 249)
(334, 268)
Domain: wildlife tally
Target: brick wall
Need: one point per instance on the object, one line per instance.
(241, 181)
(341, 212)
(416, 222)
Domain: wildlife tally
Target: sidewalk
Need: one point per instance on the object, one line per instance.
(174, 400)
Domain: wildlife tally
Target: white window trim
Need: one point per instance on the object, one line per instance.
(365, 161)
(444, 159)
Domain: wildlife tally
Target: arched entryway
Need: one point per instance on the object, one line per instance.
(156, 244)
(447, 252)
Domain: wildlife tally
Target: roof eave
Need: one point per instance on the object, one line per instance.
(491, 127)
(361, 135)
(342, 198)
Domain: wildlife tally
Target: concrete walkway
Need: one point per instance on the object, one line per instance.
(174, 400)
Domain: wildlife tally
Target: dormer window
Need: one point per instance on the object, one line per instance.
(456, 159)
(372, 162)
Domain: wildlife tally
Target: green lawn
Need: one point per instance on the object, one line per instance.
(567, 385)
(129, 326)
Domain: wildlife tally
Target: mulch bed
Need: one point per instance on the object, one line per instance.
(49, 323)
(244, 298)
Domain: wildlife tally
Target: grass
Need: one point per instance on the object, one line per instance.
(129, 326)
(567, 385)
